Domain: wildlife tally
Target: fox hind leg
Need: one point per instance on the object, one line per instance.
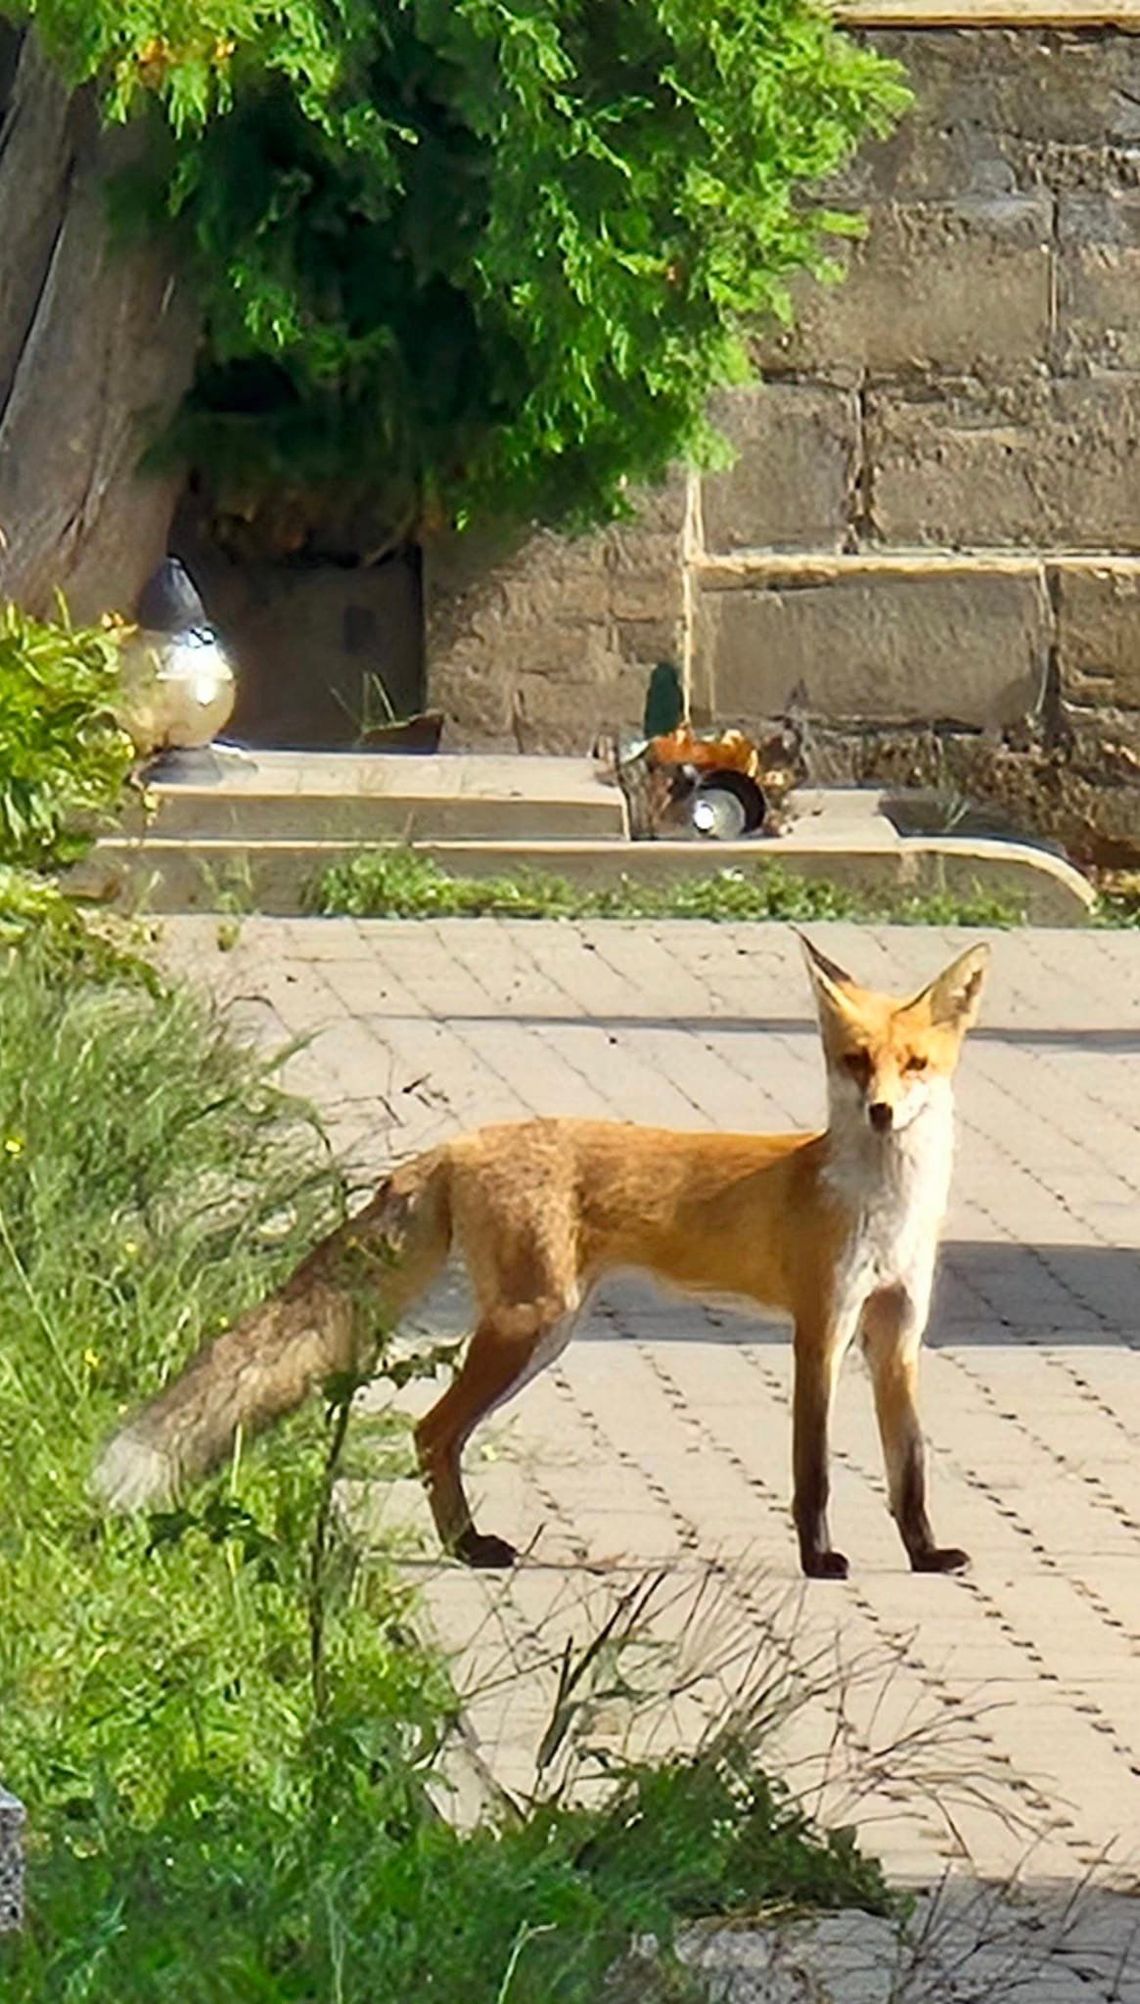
(511, 1345)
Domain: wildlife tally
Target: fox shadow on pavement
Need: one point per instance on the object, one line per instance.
(987, 1294)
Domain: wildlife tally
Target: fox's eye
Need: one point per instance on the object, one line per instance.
(857, 1065)
(914, 1066)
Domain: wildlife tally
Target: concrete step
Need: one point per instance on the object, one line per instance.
(361, 797)
(164, 874)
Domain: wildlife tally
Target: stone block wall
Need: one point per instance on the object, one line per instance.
(934, 516)
(539, 643)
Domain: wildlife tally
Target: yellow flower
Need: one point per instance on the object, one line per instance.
(14, 1144)
(130, 1248)
(154, 61)
(91, 1359)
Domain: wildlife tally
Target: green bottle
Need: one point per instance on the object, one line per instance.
(664, 701)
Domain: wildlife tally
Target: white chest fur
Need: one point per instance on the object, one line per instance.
(895, 1188)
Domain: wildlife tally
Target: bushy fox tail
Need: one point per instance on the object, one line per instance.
(271, 1359)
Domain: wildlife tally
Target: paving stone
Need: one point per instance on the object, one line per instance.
(662, 1439)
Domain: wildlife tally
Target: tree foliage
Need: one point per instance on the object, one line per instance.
(476, 255)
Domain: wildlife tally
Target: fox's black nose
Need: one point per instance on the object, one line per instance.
(880, 1115)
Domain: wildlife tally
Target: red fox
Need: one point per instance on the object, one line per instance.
(838, 1231)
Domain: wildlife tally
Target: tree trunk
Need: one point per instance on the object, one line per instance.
(96, 349)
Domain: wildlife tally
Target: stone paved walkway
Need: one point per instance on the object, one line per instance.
(1009, 1715)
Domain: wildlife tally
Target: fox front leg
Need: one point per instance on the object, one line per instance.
(892, 1332)
(819, 1346)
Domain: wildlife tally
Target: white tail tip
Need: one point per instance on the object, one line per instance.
(130, 1475)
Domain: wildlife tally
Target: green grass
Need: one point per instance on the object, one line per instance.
(401, 883)
(221, 1721)
(1118, 903)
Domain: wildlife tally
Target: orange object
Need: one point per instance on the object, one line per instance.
(731, 752)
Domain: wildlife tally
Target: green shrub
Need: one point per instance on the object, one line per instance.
(68, 938)
(63, 757)
(475, 256)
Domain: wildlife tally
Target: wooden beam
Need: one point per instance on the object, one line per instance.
(791, 567)
(1119, 14)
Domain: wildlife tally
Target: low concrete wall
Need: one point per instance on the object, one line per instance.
(934, 518)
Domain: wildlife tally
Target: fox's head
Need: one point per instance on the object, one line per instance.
(888, 1061)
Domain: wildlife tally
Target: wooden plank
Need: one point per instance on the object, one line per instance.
(749, 567)
(1120, 14)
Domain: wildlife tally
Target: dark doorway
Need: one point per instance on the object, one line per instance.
(322, 650)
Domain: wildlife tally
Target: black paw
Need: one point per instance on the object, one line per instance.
(940, 1559)
(477, 1548)
(825, 1565)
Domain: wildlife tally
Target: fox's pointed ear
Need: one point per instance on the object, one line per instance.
(833, 985)
(952, 999)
